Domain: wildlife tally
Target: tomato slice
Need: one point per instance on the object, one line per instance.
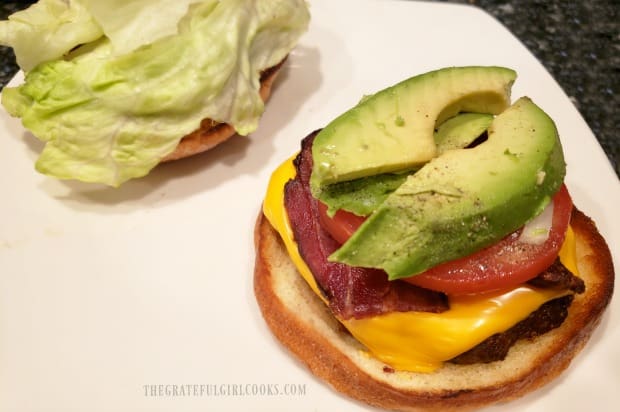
(506, 264)
(342, 225)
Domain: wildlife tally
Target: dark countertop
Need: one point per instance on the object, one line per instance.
(578, 42)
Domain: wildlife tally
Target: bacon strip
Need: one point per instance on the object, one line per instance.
(557, 276)
(352, 292)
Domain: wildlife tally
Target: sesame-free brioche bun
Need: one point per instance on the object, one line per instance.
(303, 324)
(211, 133)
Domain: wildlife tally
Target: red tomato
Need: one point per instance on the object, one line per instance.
(503, 265)
(342, 225)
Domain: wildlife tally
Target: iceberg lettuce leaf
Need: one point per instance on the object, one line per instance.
(130, 24)
(47, 30)
(109, 118)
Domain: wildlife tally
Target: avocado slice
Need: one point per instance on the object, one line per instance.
(363, 196)
(392, 130)
(461, 130)
(465, 199)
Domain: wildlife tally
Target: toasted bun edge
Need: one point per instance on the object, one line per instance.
(304, 325)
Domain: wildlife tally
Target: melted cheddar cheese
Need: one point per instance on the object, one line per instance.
(421, 341)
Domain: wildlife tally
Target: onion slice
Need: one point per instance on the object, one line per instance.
(536, 231)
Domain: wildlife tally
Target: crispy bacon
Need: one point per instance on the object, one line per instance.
(557, 276)
(352, 292)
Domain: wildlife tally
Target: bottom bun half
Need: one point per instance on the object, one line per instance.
(304, 324)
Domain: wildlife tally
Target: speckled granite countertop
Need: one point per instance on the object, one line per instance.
(577, 41)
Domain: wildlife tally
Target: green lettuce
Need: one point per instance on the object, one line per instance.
(47, 30)
(360, 196)
(129, 24)
(109, 117)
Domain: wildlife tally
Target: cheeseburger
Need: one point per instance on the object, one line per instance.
(422, 252)
(114, 88)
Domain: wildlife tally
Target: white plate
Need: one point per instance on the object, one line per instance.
(109, 297)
